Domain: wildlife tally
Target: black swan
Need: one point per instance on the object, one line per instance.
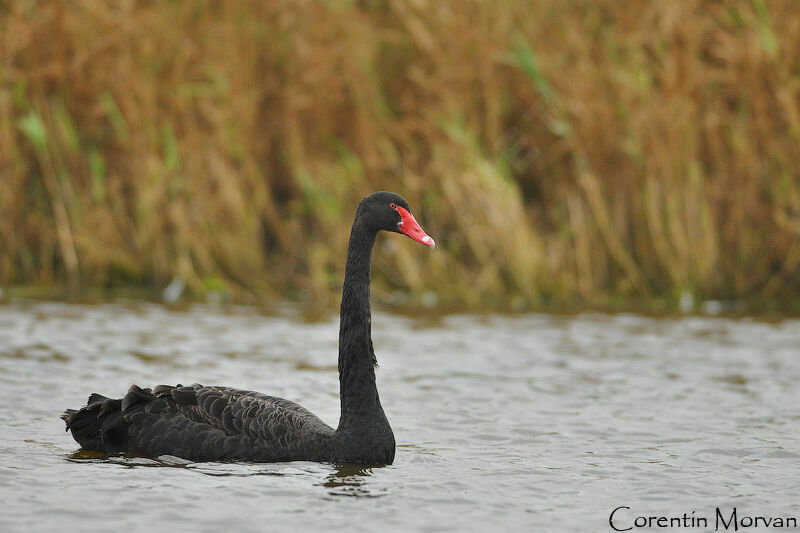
(225, 424)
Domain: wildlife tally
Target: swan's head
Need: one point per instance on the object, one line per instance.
(389, 211)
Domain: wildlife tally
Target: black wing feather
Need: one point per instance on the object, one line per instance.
(201, 423)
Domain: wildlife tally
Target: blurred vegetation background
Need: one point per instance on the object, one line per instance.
(580, 154)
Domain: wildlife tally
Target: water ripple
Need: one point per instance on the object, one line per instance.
(528, 422)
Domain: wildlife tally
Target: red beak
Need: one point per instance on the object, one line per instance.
(408, 225)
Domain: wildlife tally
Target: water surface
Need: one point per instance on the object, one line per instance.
(503, 423)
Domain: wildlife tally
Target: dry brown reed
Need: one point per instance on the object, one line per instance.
(562, 153)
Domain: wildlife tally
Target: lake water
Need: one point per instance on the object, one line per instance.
(525, 423)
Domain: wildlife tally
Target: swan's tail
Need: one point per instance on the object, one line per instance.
(98, 425)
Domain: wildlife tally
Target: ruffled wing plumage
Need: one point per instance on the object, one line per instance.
(201, 424)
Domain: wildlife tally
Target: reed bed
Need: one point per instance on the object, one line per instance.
(563, 154)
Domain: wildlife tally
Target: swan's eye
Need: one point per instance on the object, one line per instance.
(393, 205)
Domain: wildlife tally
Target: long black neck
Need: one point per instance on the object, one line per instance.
(357, 390)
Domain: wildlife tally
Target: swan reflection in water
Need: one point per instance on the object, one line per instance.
(352, 480)
(344, 480)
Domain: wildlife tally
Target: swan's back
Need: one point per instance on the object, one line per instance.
(201, 424)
